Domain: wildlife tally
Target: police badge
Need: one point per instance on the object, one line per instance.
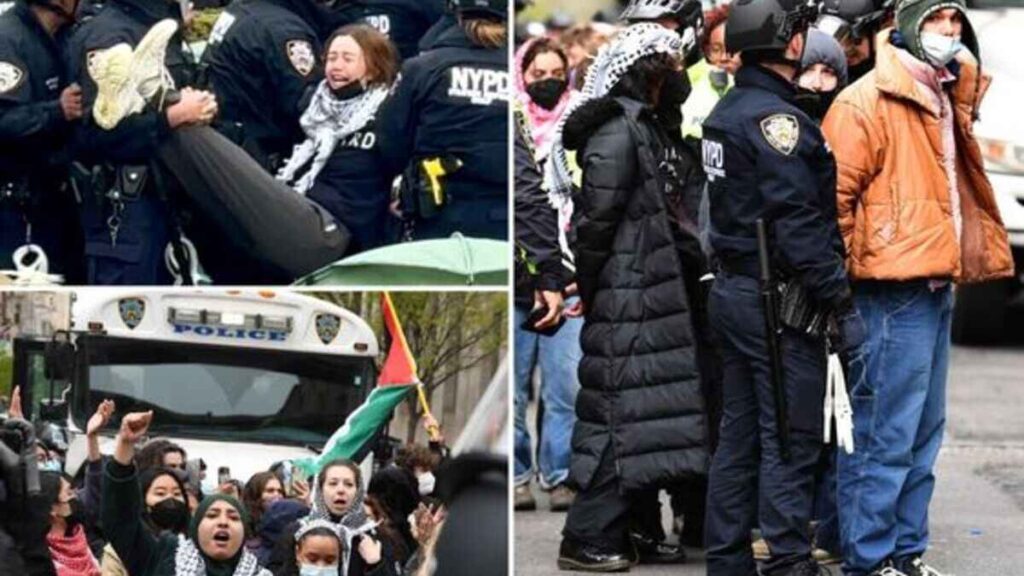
(782, 131)
(327, 327)
(300, 54)
(132, 310)
(10, 77)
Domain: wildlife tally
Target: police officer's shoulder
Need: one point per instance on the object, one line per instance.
(13, 69)
(104, 30)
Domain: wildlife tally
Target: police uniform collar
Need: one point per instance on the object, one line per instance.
(761, 77)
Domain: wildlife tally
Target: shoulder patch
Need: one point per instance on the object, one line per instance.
(10, 77)
(300, 54)
(782, 131)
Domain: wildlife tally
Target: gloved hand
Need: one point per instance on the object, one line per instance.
(27, 432)
(851, 332)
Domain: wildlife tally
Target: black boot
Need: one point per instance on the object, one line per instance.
(588, 558)
(651, 551)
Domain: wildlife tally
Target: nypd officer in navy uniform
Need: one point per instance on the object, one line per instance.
(404, 21)
(128, 227)
(765, 159)
(262, 60)
(448, 114)
(37, 108)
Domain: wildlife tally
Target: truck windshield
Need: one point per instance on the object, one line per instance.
(222, 392)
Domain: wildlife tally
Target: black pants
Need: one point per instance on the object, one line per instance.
(600, 514)
(749, 484)
(256, 213)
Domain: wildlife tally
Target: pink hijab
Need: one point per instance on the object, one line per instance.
(542, 121)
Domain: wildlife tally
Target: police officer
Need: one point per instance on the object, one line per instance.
(445, 128)
(262, 58)
(854, 24)
(765, 159)
(404, 21)
(128, 220)
(37, 107)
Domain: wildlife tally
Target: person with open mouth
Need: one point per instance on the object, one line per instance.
(338, 501)
(216, 532)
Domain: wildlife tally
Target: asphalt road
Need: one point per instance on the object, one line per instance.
(977, 515)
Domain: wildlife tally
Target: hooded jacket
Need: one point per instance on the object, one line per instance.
(894, 205)
(640, 395)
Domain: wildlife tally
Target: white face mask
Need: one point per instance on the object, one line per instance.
(939, 49)
(426, 482)
(311, 570)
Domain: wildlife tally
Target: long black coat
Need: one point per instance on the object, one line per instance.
(639, 385)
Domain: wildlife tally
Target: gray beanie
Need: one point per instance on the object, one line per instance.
(822, 48)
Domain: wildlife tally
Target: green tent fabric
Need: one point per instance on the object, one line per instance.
(455, 261)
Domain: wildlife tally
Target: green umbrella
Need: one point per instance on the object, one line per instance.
(455, 261)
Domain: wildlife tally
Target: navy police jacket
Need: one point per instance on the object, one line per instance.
(33, 130)
(404, 21)
(263, 57)
(765, 158)
(451, 100)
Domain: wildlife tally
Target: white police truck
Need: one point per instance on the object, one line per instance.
(241, 379)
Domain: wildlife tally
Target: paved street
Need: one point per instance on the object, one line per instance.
(978, 512)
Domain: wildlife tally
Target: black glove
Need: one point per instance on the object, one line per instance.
(28, 452)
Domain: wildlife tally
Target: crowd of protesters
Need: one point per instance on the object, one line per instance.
(865, 134)
(280, 142)
(143, 510)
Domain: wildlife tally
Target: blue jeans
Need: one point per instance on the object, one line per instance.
(898, 394)
(559, 357)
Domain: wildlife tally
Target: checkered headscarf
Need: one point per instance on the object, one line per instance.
(612, 62)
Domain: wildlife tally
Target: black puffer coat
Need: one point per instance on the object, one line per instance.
(639, 384)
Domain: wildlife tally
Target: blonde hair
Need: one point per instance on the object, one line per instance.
(486, 33)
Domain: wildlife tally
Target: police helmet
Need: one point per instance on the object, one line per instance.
(490, 9)
(856, 18)
(766, 24)
(689, 12)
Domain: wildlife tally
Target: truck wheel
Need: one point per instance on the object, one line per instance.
(979, 313)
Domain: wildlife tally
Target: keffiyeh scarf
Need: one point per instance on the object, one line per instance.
(326, 122)
(71, 554)
(188, 561)
(543, 122)
(612, 62)
(354, 523)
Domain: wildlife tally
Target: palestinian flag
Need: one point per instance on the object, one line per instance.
(397, 378)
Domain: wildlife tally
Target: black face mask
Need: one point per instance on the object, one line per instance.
(547, 93)
(861, 69)
(674, 90)
(348, 91)
(77, 515)
(814, 104)
(170, 514)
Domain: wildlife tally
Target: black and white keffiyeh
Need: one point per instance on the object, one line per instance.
(344, 533)
(326, 122)
(612, 62)
(188, 561)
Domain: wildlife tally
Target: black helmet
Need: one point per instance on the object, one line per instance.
(639, 10)
(766, 24)
(491, 9)
(860, 16)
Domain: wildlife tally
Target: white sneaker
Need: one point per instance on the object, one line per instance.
(149, 74)
(116, 98)
(919, 568)
(126, 79)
